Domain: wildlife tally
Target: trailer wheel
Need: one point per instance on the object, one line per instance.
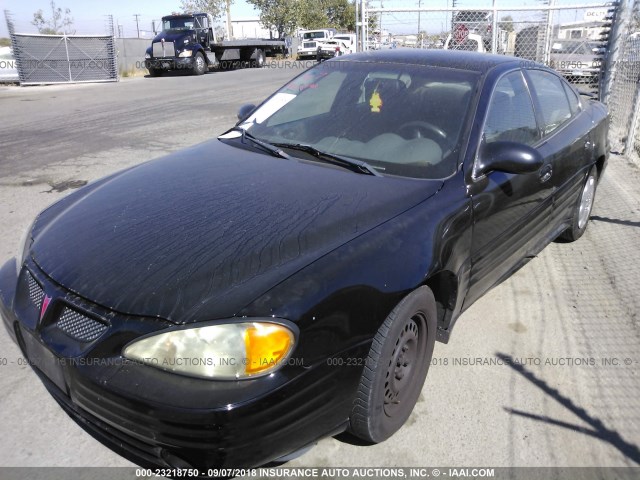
(199, 64)
(259, 60)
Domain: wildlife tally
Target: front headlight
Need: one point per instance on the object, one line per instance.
(225, 351)
(25, 246)
(186, 53)
(147, 55)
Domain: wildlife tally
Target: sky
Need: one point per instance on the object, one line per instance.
(90, 15)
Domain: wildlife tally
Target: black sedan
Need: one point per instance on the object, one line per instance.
(231, 304)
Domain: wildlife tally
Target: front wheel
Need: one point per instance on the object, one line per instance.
(199, 64)
(396, 368)
(582, 209)
(259, 60)
(155, 72)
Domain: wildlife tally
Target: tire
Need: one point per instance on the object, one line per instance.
(199, 64)
(582, 209)
(258, 62)
(155, 72)
(396, 368)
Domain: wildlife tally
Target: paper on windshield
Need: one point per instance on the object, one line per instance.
(276, 102)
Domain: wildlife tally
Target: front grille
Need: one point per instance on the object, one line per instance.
(309, 44)
(36, 294)
(168, 51)
(80, 327)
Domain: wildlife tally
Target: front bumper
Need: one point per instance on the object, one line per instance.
(158, 419)
(171, 63)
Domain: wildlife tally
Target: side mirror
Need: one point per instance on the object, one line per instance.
(245, 110)
(509, 157)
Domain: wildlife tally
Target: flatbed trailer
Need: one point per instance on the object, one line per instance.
(188, 42)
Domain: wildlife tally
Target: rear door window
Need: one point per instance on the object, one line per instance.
(551, 99)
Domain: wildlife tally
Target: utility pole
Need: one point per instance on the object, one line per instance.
(229, 32)
(381, 30)
(419, 12)
(137, 25)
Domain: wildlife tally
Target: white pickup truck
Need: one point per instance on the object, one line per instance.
(332, 48)
(309, 40)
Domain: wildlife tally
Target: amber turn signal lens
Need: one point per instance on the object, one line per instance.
(266, 346)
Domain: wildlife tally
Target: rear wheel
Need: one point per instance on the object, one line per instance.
(259, 61)
(582, 209)
(396, 368)
(199, 64)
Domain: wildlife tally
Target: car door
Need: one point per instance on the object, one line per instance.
(508, 209)
(566, 138)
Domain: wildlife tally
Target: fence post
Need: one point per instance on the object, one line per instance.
(14, 44)
(615, 43)
(633, 123)
(365, 47)
(358, 47)
(548, 35)
(494, 29)
(66, 48)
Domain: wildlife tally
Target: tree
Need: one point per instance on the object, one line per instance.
(341, 14)
(282, 16)
(220, 32)
(312, 16)
(506, 23)
(285, 16)
(215, 8)
(59, 23)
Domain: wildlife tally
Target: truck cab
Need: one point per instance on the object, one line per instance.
(183, 44)
(310, 40)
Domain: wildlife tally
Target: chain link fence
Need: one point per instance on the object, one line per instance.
(46, 59)
(595, 45)
(571, 37)
(624, 96)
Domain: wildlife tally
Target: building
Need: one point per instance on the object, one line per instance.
(250, 27)
(586, 30)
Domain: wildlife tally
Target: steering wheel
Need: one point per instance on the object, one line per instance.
(417, 128)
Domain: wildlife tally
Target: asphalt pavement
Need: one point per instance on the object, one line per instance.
(542, 371)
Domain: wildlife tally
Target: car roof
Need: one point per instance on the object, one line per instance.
(463, 60)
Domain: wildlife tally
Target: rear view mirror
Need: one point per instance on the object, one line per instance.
(245, 110)
(509, 157)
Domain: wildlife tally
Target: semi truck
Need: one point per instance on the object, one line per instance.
(189, 42)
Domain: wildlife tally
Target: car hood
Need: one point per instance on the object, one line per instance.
(199, 234)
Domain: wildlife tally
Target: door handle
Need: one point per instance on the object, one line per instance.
(545, 173)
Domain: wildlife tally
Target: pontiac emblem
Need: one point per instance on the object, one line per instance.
(45, 304)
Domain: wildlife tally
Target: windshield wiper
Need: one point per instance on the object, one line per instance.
(357, 166)
(272, 149)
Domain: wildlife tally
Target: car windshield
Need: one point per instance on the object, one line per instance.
(185, 23)
(404, 120)
(312, 35)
